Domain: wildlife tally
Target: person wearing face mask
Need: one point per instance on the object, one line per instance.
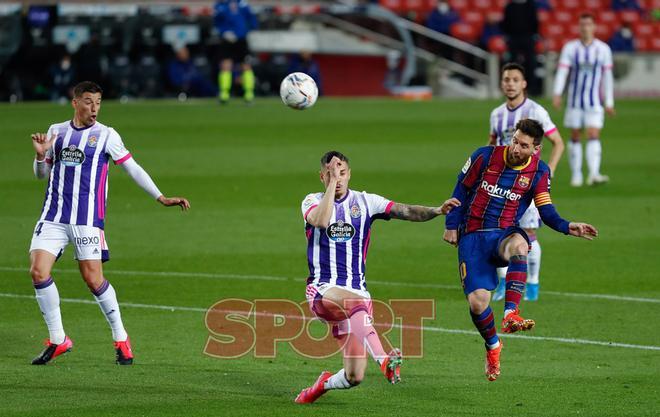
(623, 40)
(442, 17)
(62, 75)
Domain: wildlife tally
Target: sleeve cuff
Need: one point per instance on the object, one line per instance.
(308, 210)
(551, 131)
(388, 208)
(123, 159)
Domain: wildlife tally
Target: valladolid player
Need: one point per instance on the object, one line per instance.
(495, 187)
(338, 229)
(74, 156)
(503, 120)
(589, 61)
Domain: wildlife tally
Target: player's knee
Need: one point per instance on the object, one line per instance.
(39, 274)
(478, 301)
(520, 248)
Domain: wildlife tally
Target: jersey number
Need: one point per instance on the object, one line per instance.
(37, 231)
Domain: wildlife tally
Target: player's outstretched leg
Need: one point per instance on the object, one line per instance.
(485, 324)
(534, 268)
(391, 366)
(311, 394)
(515, 286)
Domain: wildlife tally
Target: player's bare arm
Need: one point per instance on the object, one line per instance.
(557, 150)
(41, 144)
(174, 201)
(416, 213)
(320, 216)
(583, 230)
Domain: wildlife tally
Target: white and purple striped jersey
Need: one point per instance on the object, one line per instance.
(337, 255)
(503, 120)
(78, 183)
(591, 75)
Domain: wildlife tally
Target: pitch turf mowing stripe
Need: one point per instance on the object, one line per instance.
(432, 329)
(389, 283)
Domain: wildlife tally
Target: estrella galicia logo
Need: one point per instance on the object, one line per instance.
(72, 156)
(340, 231)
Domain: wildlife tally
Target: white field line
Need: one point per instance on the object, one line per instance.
(388, 283)
(427, 328)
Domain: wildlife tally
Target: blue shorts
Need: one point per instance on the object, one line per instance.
(478, 257)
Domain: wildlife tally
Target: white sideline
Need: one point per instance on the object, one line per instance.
(428, 328)
(388, 283)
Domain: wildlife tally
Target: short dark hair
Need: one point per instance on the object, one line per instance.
(587, 15)
(513, 66)
(532, 128)
(325, 159)
(86, 87)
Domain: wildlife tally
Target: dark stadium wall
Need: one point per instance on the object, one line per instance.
(345, 75)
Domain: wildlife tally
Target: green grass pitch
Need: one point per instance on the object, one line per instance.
(246, 171)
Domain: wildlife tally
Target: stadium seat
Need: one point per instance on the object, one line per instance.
(605, 32)
(629, 16)
(464, 31)
(396, 6)
(570, 5)
(607, 17)
(553, 44)
(496, 16)
(595, 5)
(544, 16)
(483, 5)
(473, 17)
(459, 5)
(497, 45)
(643, 29)
(643, 44)
(655, 44)
(563, 17)
(552, 30)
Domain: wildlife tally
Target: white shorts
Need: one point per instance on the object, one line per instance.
(88, 241)
(578, 118)
(314, 292)
(530, 218)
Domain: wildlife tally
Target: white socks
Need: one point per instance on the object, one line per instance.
(337, 381)
(534, 263)
(107, 299)
(593, 152)
(48, 299)
(575, 160)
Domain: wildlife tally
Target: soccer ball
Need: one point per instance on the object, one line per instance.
(298, 91)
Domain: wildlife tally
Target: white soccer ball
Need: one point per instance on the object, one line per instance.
(299, 91)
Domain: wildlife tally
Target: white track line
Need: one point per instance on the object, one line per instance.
(432, 329)
(388, 283)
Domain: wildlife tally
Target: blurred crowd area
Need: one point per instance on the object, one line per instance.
(165, 50)
(144, 50)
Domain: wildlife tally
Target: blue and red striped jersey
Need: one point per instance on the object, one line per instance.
(494, 195)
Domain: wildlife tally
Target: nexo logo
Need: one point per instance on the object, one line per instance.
(83, 241)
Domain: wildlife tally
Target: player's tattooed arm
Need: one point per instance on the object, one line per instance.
(421, 213)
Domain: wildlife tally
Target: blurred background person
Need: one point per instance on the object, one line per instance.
(234, 20)
(183, 75)
(521, 27)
